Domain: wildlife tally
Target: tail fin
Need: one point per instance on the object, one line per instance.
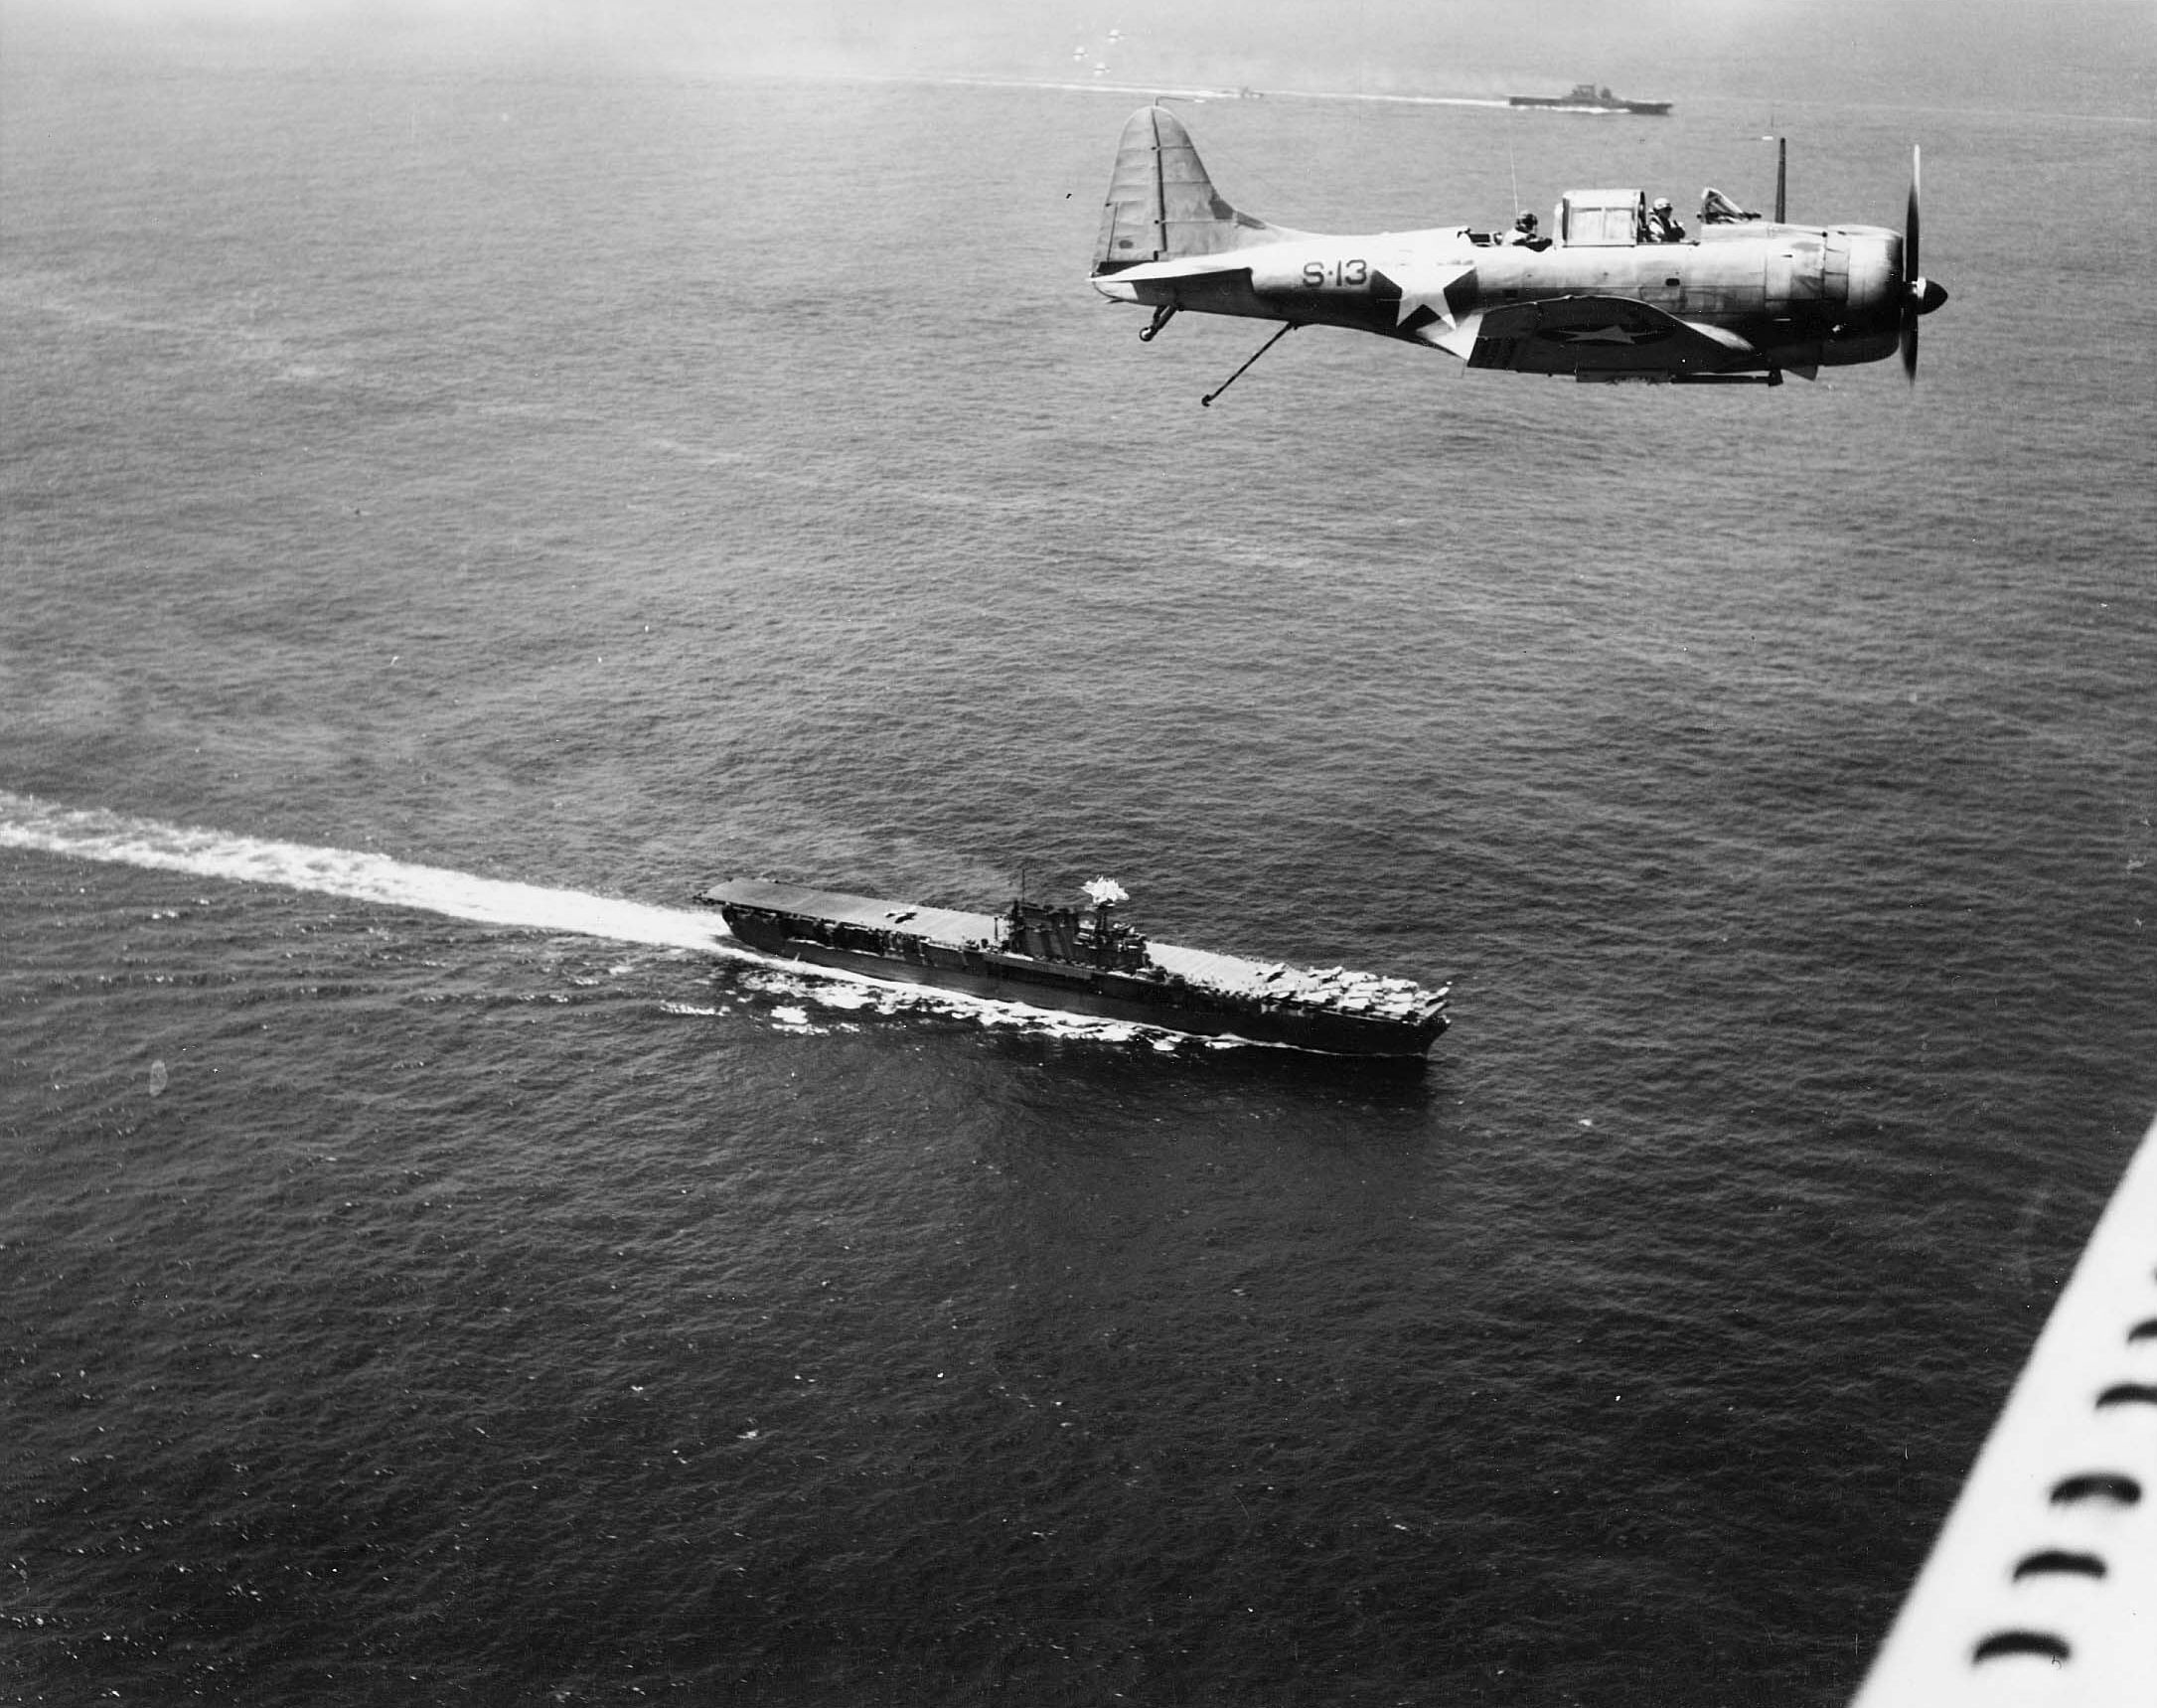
(1161, 205)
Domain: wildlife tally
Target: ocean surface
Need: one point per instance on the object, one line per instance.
(452, 516)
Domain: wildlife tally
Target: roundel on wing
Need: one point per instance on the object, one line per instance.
(1612, 336)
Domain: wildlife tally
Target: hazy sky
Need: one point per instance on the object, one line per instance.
(2090, 55)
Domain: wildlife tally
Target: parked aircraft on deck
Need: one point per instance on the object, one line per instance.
(1598, 297)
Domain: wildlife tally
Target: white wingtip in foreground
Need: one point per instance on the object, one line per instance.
(2040, 1591)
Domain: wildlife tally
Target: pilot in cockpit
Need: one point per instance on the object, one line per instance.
(1662, 224)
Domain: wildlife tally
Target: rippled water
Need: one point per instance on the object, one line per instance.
(449, 520)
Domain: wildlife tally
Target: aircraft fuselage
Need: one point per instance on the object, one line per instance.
(1793, 296)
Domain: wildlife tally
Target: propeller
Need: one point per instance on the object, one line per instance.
(1921, 295)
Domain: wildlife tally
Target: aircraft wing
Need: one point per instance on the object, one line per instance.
(2042, 1587)
(1591, 336)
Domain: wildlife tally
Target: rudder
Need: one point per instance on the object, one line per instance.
(1161, 206)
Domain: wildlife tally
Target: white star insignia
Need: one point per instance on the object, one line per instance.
(1601, 335)
(1423, 280)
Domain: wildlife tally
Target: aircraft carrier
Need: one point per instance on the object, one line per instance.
(1086, 962)
(1587, 97)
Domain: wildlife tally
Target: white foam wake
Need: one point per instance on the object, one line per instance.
(92, 834)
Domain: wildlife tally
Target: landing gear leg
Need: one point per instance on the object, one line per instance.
(1206, 403)
(1161, 317)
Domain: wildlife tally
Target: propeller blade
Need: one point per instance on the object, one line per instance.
(1911, 269)
(1907, 342)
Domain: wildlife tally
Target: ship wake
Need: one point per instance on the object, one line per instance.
(96, 835)
(790, 991)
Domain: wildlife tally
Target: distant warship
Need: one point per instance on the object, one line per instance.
(1587, 97)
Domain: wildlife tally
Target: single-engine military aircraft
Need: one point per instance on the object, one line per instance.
(1742, 299)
